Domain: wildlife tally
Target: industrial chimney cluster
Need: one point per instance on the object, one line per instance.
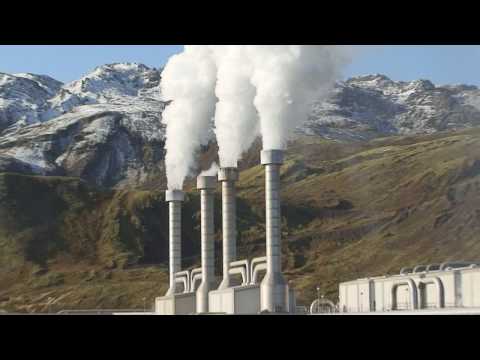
(237, 93)
(250, 297)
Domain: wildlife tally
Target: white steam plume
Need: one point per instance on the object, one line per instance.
(288, 78)
(189, 81)
(212, 171)
(236, 119)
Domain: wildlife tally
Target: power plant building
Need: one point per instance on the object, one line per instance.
(435, 286)
(251, 296)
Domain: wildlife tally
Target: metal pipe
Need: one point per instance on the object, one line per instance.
(206, 185)
(405, 270)
(196, 278)
(412, 293)
(274, 290)
(431, 266)
(453, 264)
(259, 267)
(253, 264)
(440, 291)
(174, 199)
(239, 270)
(193, 273)
(228, 176)
(419, 268)
(244, 265)
(183, 277)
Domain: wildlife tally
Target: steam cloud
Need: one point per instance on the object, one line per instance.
(236, 119)
(189, 81)
(261, 89)
(212, 171)
(288, 78)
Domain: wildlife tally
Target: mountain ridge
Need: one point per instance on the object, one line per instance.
(56, 119)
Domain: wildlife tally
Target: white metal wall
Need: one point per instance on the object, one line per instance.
(461, 287)
(471, 288)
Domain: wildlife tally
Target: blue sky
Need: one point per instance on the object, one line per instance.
(441, 64)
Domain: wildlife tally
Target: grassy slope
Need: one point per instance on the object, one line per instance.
(349, 211)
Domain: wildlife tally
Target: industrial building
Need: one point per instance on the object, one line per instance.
(254, 295)
(450, 285)
(437, 286)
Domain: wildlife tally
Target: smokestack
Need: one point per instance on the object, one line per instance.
(273, 287)
(206, 185)
(174, 199)
(227, 176)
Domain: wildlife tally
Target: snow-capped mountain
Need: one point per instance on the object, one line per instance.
(374, 105)
(106, 127)
(24, 98)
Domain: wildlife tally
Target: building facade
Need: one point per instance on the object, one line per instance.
(436, 286)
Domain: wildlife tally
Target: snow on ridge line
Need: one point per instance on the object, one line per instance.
(139, 98)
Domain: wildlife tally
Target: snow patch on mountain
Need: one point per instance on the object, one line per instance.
(106, 127)
(374, 105)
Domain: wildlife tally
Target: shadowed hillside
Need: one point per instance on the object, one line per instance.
(349, 210)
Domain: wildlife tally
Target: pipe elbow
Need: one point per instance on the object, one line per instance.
(258, 268)
(244, 266)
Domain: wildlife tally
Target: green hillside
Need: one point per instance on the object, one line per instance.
(349, 211)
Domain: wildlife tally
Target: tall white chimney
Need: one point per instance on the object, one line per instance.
(273, 288)
(206, 185)
(228, 176)
(174, 199)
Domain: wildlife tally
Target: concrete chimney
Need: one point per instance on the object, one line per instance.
(174, 199)
(273, 288)
(206, 185)
(228, 177)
